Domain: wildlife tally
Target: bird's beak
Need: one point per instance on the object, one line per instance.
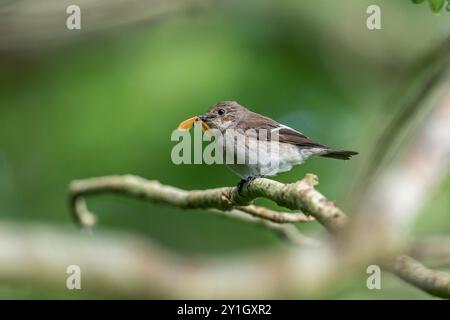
(204, 117)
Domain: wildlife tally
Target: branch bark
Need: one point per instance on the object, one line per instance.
(297, 196)
(436, 283)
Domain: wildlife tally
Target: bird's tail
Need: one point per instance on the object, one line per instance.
(339, 154)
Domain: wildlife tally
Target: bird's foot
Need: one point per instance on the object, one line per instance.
(240, 185)
(248, 181)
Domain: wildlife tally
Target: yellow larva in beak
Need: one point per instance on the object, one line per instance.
(189, 123)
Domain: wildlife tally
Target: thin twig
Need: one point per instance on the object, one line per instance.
(275, 216)
(287, 232)
(434, 282)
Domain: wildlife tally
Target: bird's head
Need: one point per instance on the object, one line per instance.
(223, 115)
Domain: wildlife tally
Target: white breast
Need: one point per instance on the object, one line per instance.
(265, 157)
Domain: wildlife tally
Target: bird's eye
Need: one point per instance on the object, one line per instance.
(221, 112)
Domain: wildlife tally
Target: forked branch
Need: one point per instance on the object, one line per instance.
(296, 196)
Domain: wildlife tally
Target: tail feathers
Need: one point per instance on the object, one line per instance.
(339, 154)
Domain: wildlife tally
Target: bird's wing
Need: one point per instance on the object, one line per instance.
(255, 121)
(289, 135)
(285, 133)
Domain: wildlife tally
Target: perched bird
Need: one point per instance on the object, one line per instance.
(290, 147)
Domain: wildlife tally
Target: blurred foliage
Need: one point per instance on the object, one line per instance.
(436, 5)
(108, 104)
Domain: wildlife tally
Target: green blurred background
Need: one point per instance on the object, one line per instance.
(107, 104)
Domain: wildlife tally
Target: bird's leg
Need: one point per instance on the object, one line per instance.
(240, 185)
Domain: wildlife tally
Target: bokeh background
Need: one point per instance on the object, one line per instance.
(105, 99)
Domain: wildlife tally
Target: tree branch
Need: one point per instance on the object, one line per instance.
(287, 232)
(275, 216)
(434, 282)
(299, 195)
(26, 25)
(125, 265)
(217, 200)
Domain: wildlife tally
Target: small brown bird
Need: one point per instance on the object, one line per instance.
(292, 147)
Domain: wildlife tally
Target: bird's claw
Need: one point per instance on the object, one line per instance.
(247, 181)
(240, 185)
